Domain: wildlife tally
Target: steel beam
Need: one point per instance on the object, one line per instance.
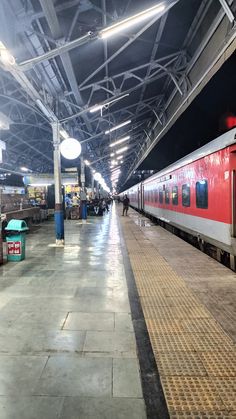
(53, 23)
(227, 10)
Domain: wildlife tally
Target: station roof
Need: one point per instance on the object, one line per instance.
(135, 74)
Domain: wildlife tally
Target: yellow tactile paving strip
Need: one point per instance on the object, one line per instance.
(195, 357)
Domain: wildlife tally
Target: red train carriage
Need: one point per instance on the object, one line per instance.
(197, 194)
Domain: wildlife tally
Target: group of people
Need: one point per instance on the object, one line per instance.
(96, 206)
(99, 206)
(74, 203)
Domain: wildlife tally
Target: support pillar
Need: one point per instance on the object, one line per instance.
(83, 197)
(59, 214)
(92, 184)
(1, 242)
(82, 172)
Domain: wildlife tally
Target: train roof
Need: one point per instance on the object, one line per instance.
(219, 143)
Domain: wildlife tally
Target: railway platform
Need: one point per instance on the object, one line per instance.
(126, 321)
(189, 306)
(67, 345)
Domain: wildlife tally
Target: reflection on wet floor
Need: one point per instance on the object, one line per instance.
(67, 345)
(141, 221)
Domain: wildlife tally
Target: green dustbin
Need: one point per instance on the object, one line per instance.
(16, 230)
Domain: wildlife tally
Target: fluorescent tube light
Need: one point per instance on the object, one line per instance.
(133, 20)
(117, 127)
(105, 105)
(121, 150)
(5, 121)
(96, 108)
(39, 184)
(120, 157)
(122, 140)
(5, 56)
(116, 170)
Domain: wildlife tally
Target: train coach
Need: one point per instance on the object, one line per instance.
(196, 197)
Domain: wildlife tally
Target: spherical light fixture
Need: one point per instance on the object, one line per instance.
(70, 148)
(97, 176)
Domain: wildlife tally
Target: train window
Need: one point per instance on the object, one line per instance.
(202, 194)
(186, 195)
(175, 195)
(167, 196)
(161, 196)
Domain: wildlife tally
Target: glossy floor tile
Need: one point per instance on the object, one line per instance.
(67, 346)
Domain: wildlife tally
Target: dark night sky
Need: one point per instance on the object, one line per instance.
(200, 123)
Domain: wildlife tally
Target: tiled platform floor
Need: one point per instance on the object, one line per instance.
(67, 346)
(189, 304)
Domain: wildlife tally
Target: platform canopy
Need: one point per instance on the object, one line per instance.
(63, 65)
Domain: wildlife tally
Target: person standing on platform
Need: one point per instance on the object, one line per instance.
(83, 201)
(68, 204)
(75, 200)
(125, 205)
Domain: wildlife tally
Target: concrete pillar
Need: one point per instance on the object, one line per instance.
(82, 172)
(92, 184)
(1, 243)
(59, 214)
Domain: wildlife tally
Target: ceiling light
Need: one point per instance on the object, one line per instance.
(24, 169)
(112, 154)
(127, 23)
(116, 169)
(39, 184)
(96, 108)
(122, 140)
(106, 105)
(70, 148)
(121, 150)
(5, 56)
(120, 157)
(114, 175)
(114, 162)
(118, 127)
(87, 162)
(5, 121)
(97, 176)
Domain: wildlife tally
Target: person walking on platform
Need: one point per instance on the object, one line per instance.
(125, 205)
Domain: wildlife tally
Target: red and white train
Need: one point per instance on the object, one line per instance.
(196, 195)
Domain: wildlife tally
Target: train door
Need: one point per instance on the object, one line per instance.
(139, 198)
(142, 197)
